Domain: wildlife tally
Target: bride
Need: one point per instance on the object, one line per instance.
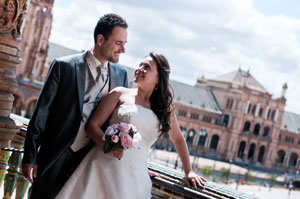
(123, 174)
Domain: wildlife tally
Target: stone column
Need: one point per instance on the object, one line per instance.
(11, 19)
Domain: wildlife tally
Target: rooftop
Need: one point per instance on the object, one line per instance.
(241, 78)
(291, 122)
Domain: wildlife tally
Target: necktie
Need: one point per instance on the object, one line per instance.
(99, 73)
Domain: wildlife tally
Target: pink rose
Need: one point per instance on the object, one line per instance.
(115, 139)
(126, 140)
(124, 127)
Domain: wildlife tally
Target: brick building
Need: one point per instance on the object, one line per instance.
(32, 71)
(233, 117)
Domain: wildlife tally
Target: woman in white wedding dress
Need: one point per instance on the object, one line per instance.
(123, 174)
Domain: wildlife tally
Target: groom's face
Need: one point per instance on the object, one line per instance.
(112, 48)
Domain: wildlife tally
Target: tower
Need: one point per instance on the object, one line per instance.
(284, 88)
(34, 47)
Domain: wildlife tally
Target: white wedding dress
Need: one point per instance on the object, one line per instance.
(102, 176)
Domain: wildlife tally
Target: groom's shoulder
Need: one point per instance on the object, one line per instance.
(118, 67)
(69, 59)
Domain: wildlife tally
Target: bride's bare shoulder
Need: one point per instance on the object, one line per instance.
(123, 90)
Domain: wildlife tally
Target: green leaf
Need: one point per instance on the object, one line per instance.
(131, 132)
(108, 138)
(107, 147)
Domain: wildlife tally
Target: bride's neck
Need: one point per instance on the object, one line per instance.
(144, 94)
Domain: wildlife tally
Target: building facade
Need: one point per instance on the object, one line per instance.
(33, 50)
(232, 117)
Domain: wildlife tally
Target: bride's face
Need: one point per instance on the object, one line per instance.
(146, 73)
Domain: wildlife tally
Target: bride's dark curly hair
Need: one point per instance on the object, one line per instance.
(162, 96)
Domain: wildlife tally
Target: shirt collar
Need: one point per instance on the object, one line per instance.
(93, 62)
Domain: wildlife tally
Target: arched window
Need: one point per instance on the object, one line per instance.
(241, 150)
(246, 126)
(280, 156)
(266, 131)
(256, 129)
(293, 160)
(190, 136)
(214, 142)
(261, 154)
(251, 152)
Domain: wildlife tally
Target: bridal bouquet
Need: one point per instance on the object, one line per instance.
(122, 135)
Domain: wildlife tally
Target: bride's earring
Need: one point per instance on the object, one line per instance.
(155, 87)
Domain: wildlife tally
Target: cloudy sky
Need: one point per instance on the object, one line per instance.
(199, 37)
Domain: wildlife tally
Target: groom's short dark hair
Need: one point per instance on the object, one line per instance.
(106, 25)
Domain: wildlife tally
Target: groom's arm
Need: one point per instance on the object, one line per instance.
(37, 124)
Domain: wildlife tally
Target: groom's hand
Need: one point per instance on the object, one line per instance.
(118, 153)
(27, 168)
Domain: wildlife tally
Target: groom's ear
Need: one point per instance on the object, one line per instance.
(100, 39)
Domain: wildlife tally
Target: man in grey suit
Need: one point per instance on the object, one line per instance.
(56, 140)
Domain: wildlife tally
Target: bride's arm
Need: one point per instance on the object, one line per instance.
(182, 150)
(102, 113)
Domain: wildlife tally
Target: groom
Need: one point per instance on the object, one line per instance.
(56, 140)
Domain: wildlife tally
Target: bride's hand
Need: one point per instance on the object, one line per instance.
(194, 180)
(152, 174)
(118, 153)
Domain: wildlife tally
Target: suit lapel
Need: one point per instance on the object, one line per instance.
(80, 77)
(113, 81)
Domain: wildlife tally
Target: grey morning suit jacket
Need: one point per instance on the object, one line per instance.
(57, 113)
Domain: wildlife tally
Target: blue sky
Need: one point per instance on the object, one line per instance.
(279, 7)
(198, 37)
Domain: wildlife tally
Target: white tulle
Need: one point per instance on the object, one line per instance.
(102, 176)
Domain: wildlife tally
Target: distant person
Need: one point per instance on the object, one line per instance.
(56, 140)
(123, 174)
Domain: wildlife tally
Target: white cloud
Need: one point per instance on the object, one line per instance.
(198, 37)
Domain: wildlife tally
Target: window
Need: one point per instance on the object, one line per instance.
(266, 131)
(253, 110)
(273, 115)
(206, 118)
(289, 139)
(216, 121)
(225, 120)
(249, 108)
(229, 103)
(261, 110)
(194, 116)
(182, 112)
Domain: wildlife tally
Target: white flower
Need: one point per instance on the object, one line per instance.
(110, 131)
(136, 139)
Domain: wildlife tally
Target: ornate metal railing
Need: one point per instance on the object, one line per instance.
(171, 184)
